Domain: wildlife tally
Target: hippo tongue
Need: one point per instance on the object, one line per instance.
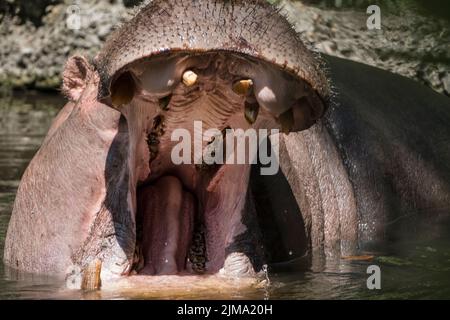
(167, 213)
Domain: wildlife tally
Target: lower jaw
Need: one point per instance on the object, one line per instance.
(181, 231)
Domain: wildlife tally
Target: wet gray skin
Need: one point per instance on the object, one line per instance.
(103, 187)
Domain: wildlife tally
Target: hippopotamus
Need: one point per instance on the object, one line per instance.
(363, 154)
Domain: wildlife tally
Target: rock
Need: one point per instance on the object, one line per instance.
(35, 53)
(328, 47)
(413, 45)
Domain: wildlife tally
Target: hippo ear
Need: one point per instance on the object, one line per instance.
(76, 75)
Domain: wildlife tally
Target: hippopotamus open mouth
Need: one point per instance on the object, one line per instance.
(195, 210)
(164, 75)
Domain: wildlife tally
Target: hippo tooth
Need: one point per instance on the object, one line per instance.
(286, 120)
(251, 112)
(243, 87)
(123, 89)
(91, 276)
(190, 78)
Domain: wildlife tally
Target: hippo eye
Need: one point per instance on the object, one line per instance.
(189, 78)
(123, 90)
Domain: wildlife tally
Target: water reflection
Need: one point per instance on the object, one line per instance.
(417, 270)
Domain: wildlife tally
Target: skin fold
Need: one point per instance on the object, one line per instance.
(362, 164)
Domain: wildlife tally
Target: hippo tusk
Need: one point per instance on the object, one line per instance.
(91, 276)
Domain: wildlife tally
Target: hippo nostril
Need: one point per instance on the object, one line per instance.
(123, 90)
(189, 78)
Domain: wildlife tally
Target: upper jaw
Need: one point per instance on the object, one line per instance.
(252, 28)
(229, 90)
(254, 86)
